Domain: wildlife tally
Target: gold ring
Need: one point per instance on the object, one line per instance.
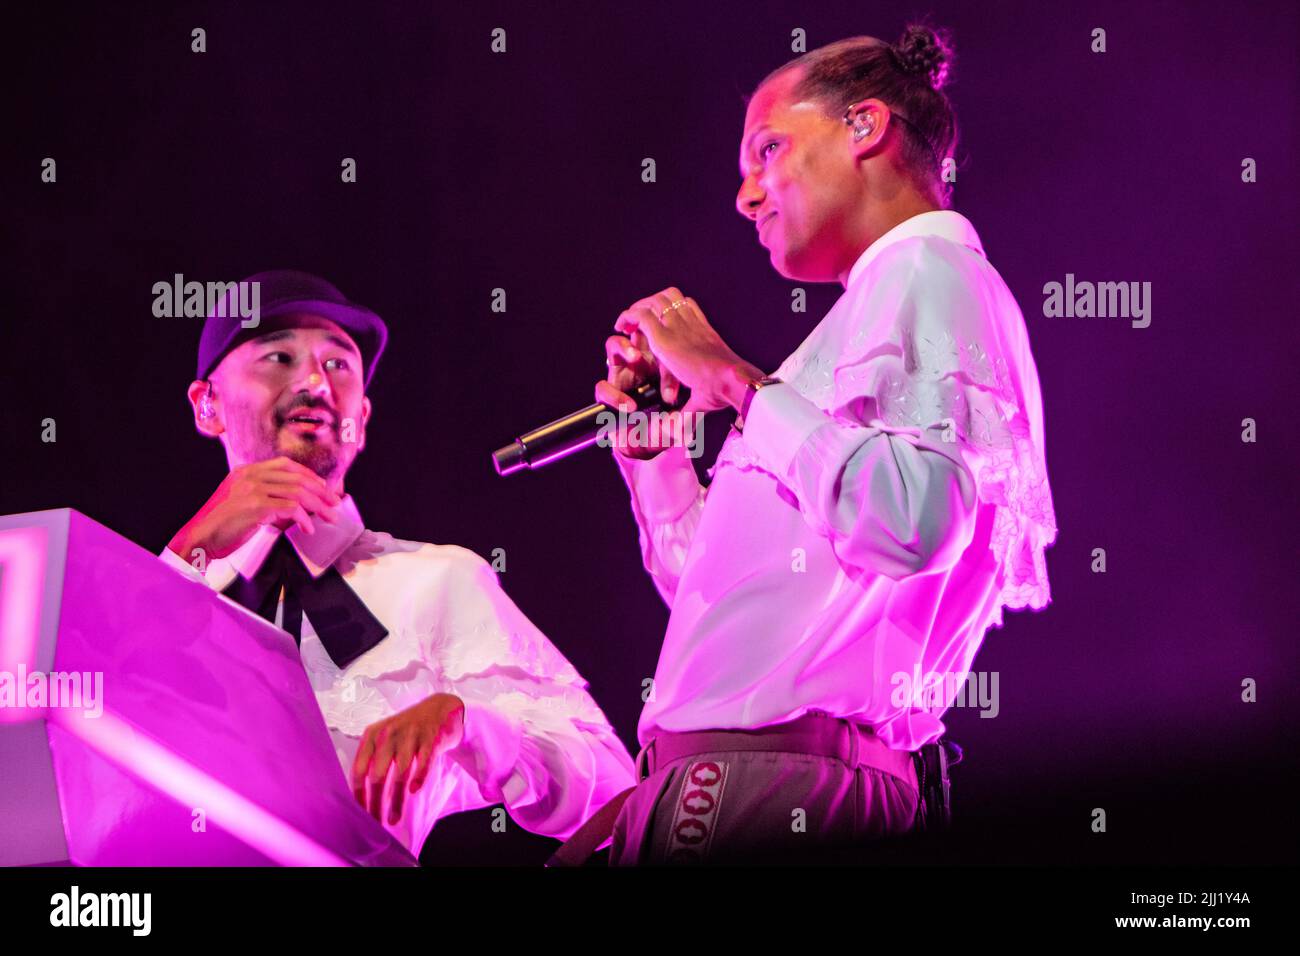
(679, 302)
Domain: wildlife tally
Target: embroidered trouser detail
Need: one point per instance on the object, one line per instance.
(809, 786)
(695, 819)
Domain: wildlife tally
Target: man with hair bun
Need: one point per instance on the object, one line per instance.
(882, 496)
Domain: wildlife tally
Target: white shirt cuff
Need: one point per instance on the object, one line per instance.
(174, 560)
(665, 485)
(780, 420)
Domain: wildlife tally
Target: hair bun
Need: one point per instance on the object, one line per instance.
(924, 52)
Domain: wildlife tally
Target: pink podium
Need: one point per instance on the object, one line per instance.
(145, 720)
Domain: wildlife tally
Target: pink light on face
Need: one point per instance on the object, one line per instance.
(153, 763)
(22, 582)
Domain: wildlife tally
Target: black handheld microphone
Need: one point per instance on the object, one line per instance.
(569, 434)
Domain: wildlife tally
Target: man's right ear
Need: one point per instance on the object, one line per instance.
(207, 418)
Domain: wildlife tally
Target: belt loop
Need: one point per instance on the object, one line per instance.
(954, 750)
(853, 743)
(642, 761)
(922, 811)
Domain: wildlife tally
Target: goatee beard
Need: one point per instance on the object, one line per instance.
(320, 460)
(323, 461)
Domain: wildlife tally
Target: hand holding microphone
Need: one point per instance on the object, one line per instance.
(631, 366)
(665, 345)
(686, 350)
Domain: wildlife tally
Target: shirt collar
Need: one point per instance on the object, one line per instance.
(318, 550)
(938, 222)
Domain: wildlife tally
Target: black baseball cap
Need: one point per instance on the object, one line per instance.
(282, 292)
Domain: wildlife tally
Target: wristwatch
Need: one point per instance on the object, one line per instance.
(750, 391)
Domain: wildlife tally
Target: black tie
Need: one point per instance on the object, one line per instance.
(344, 624)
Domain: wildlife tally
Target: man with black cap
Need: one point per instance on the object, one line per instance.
(439, 694)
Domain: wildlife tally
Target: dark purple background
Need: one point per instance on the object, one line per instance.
(523, 171)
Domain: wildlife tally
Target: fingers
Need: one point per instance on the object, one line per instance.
(607, 394)
(313, 482)
(671, 304)
(401, 770)
(361, 764)
(660, 302)
(656, 303)
(663, 304)
(318, 502)
(642, 342)
(284, 519)
(644, 322)
(628, 365)
(310, 501)
(424, 757)
(388, 748)
(283, 470)
(669, 387)
(634, 319)
(653, 331)
(283, 512)
(627, 321)
(632, 445)
(377, 776)
(313, 500)
(375, 795)
(279, 468)
(620, 350)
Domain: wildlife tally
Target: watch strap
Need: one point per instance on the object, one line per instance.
(751, 390)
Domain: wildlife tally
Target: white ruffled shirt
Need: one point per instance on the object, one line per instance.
(881, 508)
(534, 739)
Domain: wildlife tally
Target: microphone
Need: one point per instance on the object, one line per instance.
(569, 434)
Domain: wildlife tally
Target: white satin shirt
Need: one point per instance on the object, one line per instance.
(880, 509)
(534, 739)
